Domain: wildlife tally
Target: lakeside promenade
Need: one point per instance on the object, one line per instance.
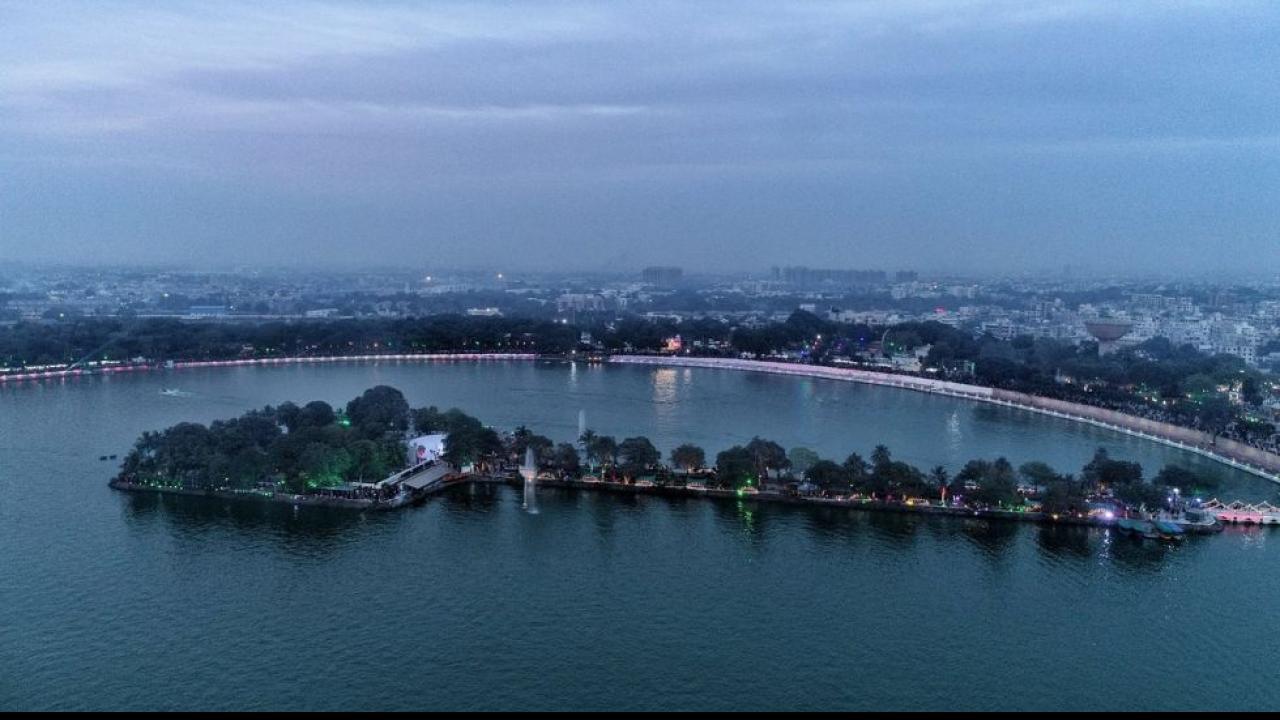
(112, 369)
(1229, 452)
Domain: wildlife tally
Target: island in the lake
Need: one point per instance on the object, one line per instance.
(379, 453)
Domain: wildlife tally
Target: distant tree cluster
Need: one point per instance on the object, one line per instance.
(300, 448)
(1175, 384)
(31, 343)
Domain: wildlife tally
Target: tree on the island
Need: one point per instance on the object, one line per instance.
(996, 482)
(428, 420)
(827, 475)
(1172, 476)
(565, 458)
(1063, 495)
(767, 455)
(316, 413)
(519, 440)
(880, 459)
(470, 443)
(249, 466)
(322, 466)
(288, 413)
(688, 458)
(1139, 493)
(638, 455)
(939, 478)
(801, 459)
(735, 467)
(857, 471)
(525, 438)
(1037, 474)
(543, 448)
(368, 461)
(379, 410)
(585, 441)
(604, 448)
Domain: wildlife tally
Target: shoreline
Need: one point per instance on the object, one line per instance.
(1225, 451)
(675, 491)
(257, 496)
(258, 362)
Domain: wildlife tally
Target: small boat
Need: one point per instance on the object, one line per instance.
(1169, 530)
(171, 392)
(1137, 528)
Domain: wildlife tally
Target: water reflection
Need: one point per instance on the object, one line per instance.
(1068, 541)
(898, 530)
(745, 517)
(195, 521)
(473, 497)
(1141, 556)
(993, 537)
(955, 438)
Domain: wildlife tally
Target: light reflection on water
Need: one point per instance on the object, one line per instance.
(108, 597)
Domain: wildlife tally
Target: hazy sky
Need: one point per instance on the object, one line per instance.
(948, 134)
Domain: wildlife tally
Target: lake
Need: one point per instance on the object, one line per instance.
(603, 601)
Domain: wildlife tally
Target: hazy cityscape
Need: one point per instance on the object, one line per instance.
(863, 355)
(1227, 318)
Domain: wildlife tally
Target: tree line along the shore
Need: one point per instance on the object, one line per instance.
(307, 448)
(1219, 394)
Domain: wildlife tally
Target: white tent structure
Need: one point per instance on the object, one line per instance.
(425, 448)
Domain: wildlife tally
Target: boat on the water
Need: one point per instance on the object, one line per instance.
(1243, 513)
(1169, 530)
(1134, 527)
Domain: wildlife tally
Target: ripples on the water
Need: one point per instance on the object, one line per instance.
(600, 601)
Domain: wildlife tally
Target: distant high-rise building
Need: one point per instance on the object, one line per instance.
(662, 275)
(806, 276)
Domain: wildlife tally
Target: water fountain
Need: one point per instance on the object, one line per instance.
(529, 471)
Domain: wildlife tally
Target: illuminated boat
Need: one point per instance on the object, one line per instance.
(1242, 513)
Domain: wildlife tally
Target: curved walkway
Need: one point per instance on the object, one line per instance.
(296, 360)
(1229, 452)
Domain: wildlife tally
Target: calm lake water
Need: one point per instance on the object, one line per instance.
(116, 601)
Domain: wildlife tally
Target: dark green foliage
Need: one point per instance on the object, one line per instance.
(688, 457)
(602, 450)
(565, 458)
(768, 456)
(993, 482)
(638, 455)
(829, 476)
(1172, 476)
(735, 467)
(301, 448)
(34, 343)
(378, 411)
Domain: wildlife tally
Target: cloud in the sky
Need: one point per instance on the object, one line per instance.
(905, 133)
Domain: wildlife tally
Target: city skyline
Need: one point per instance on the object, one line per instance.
(960, 137)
